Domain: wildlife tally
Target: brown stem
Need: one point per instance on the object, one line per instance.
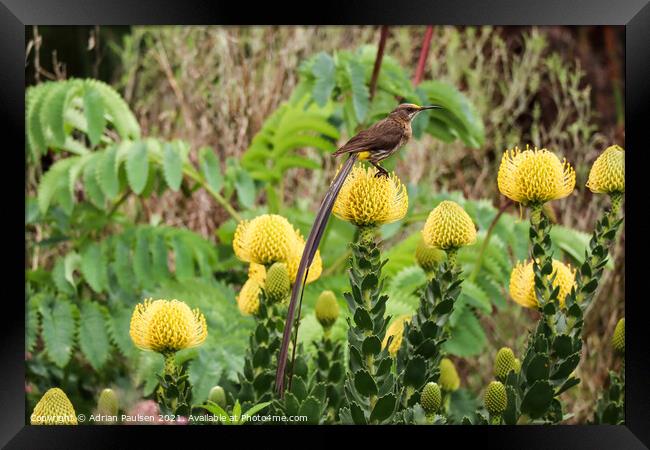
(486, 240)
(380, 56)
(424, 52)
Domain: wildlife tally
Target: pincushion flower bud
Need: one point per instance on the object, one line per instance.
(504, 362)
(264, 240)
(429, 257)
(54, 408)
(495, 398)
(107, 404)
(522, 283)
(607, 175)
(448, 226)
(248, 300)
(396, 330)
(431, 398)
(166, 326)
(534, 176)
(327, 309)
(449, 379)
(367, 200)
(618, 340)
(217, 395)
(277, 286)
(517, 367)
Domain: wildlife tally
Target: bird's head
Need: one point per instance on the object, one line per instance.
(407, 111)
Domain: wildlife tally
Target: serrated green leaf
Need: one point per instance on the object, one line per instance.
(183, 259)
(122, 266)
(142, 261)
(94, 112)
(137, 166)
(92, 188)
(107, 173)
(55, 179)
(360, 93)
(211, 169)
(245, 189)
(93, 335)
(71, 263)
(323, 71)
(172, 167)
(537, 399)
(383, 408)
(93, 267)
(58, 324)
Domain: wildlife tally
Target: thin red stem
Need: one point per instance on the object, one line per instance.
(424, 51)
(380, 56)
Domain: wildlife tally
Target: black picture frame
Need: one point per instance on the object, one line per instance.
(633, 14)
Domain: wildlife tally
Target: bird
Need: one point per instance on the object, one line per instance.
(374, 145)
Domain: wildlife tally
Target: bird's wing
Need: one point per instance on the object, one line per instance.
(381, 136)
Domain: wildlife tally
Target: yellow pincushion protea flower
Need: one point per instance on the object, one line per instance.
(54, 408)
(257, 272)
(534, 176)
(448, 226)
(293, 262)
(449, 379)
(264, 240)
(396, 330)
(607, 175)
(248, 300)
(522, 282)
(367, 200)
(166, 326)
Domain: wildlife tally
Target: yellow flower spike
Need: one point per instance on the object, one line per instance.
(522, 282)
(618, 340)
(257, 272)
(54, 408)
(264, 240)
(367, 200)
(449, 379)
(448, 226)
(396, 330)
(327, 309)
(504, 362)
(166, 326)
(534, 176)
(431, 397)
(495, 398)
(607, 175)
(248, 300)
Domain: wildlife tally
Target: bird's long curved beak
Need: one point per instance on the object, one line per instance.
(422, 108)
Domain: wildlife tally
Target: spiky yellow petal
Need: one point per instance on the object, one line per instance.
(396, 330)
(293, 262)
(618, 340)
(264, 240)
(428, 257)
(167, 326)
(449, 379)
(607, 175)
(54, 408)
(522, 282)
(495, 398)
(431, 397)
(448, 226)
(327, 309)
(367, 200)
(534, 176)
(248, 300)
(504, 362)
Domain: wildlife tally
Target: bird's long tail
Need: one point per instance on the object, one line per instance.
(311, 246)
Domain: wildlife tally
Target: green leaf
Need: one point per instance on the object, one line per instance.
(360, 94)
(94, 112)
(93, 336)
(211, 169)
(538, 368)
(383, 408)
(172, 167)
(93, 267)
(107, 173)
(364, 383)
(55, 179)
(52, 113)
(415, 372)
(566, 367)
(255, 409)
(311, 409)
(159, 266)
(537, 399)
(142, 261)
(92, 188)
(323, 71)
(183, 259)
(137, 166)
(467, 335)
(58, 324)
(35, 133)
(71, 262)
(245, 189)
(122, 266)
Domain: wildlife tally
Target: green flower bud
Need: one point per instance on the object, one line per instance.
(504, 363)
(327, 309)
(431, 398)
(618, 340)
(495, 398)
(517, 365)
(107, 404)
(429, 257)
(449, 379)
(217, 395)
(278, 284)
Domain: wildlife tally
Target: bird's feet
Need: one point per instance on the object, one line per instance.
(381, 172)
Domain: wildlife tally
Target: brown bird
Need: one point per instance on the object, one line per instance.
(374, 145)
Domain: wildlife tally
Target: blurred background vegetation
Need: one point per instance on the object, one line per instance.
(215, 88)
